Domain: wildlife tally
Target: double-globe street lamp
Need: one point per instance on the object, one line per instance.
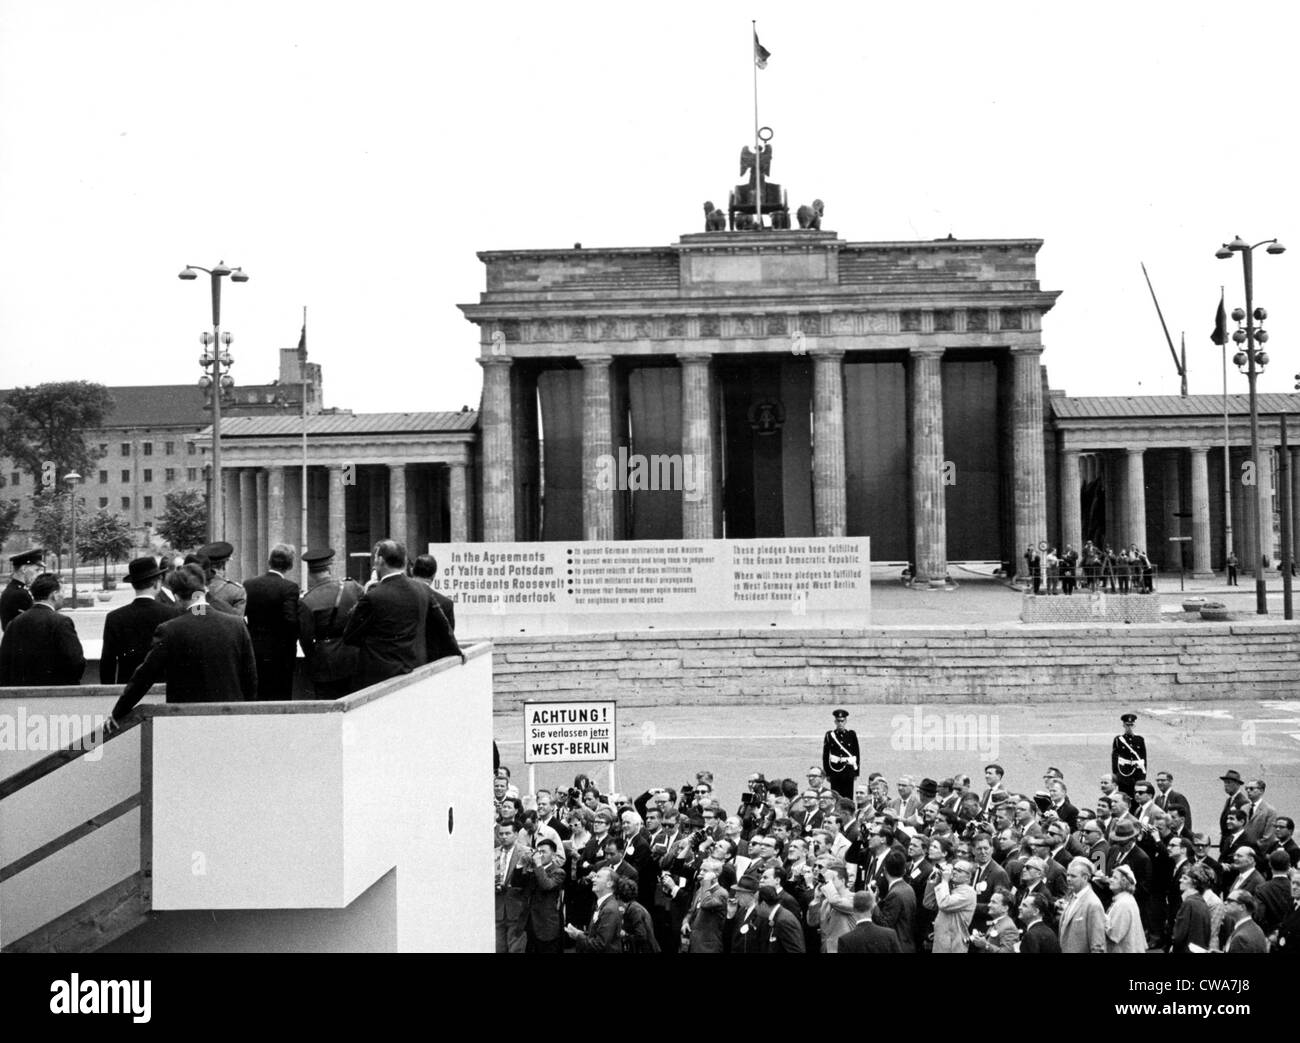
(1254, 359)
(216, 357)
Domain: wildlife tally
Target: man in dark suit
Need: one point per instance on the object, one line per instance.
(40, 647)
(1237, 799)
(272, 613)
(17, 598)
(1284, 833)
(129, 630)
(544, 893)
(782, 931)
(1245, 935)
(1124, 851)
(424, 569)
(202, 656)
(1168, 798)
(897, 906)
(1037, 936)
(867, 936)
(988, 877)
(601, 934)
(396, 623)
(513, 868)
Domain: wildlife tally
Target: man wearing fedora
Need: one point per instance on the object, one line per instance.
(16, 597)
(1237, 799)
(129, 630)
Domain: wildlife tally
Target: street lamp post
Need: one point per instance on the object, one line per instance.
(218, 359)
(72, 478)
(1255, 359)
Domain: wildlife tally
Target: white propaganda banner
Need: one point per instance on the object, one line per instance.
(504, 588)
(556, 733)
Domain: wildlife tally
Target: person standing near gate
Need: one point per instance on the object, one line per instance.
(272, 613)
(1128, 756)
(841, 760)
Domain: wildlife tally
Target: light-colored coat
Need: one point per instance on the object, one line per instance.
(1124, 925)
(1083, 924)
(954, 908)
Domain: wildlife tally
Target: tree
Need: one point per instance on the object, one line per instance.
(107, 536)
(8, 515)
(184, 519)
(48, 424)
(52, 521)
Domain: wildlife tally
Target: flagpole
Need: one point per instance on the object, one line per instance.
(758, 162)
(1227, 465)
(302, 367)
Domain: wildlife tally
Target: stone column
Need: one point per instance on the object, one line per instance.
(230, 533)
(496, 431)
(275, 508)
(930, 539)
(697, 446)
(1135, 501)
(1295, 500)
(338, 533)
(1071, 502)
(397, 512)
(459, 506)
(1172, 496)
(830, 499)
(248, 523)
(1028, 470)
(1201, 514)
(597, 445)
(263, 518)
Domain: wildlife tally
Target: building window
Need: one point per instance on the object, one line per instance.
(126, 448)
(16, 477)
(171, 474)
(171, 448)
(103, 501)
(126, 476)
(103, 477)
(148, 503)
(126, 503)
(147, 447)
(191, 474)
(103, 448)
(148, 475)
(189, 448)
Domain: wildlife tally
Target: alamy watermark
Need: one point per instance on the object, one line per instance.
(50, 732)
(675, 472)
(922, 731)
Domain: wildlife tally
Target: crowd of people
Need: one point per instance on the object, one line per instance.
(211, 639)
(840, 863)
(1125, 571)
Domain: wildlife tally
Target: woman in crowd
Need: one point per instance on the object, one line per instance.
(1123, 919)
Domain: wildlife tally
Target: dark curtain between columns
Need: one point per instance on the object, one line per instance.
(655, 417)
(560, 393)
(876, 462)
(970, 442)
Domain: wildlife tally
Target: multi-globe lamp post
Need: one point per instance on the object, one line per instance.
(216, 358)
(1251, 360)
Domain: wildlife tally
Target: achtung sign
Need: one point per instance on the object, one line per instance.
(555, 733)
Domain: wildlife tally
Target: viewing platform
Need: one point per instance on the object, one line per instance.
(311, 826)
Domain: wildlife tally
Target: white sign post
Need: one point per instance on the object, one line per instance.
(562, 733)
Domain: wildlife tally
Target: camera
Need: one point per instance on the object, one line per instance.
(748, 800)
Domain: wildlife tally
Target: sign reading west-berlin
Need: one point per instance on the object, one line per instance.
(782, 579)
(555, 733)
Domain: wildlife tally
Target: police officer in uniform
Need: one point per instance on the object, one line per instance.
(1128, 756)
(841, 760)
(16, 597)
(220, 588)
(322, 615)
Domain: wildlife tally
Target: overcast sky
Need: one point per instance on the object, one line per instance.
(353, 158)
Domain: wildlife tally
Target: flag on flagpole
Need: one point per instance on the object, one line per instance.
(761, 53)
(302, 340)
(1220, 334)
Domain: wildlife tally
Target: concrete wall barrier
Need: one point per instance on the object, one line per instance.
(901, 665)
